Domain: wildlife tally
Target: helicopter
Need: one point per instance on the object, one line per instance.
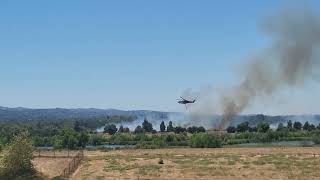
(185, 102)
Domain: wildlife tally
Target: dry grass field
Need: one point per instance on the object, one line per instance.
(52, 163)
(51, 167)
(187, 163)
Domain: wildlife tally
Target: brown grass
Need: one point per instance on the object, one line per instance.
(52, 163)
(186, 163)
(51, 167)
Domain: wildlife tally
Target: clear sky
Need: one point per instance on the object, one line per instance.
(126, 54)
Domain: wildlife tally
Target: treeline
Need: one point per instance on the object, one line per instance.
(264, 127)
(147, 127)
(292, 131)
(69, 133)
(153, 141)
(175, 136)
(75, 134)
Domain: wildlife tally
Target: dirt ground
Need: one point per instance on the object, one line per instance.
(187, 163)
(51, 167)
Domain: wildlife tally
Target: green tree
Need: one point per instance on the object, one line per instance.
(57, 142)
(243, 127)
(192, 129)
(110, 129)
(170, 127)
(16, 162)
(121, 129)
(297, 125)
(69, 138)
(162, 127)
(312, 127)
(306, 126)
(263, 127)
(280, 127)
(201, 129)
(289, 125)
(147, 126)
(126, 130)
(95, 139)
(83, 139)
(77, 126)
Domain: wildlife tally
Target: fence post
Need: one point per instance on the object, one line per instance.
(39, 152)
(73, 164)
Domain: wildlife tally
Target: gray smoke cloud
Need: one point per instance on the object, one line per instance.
(290, 61)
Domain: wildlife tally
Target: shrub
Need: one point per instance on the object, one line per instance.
(160, 161)
(316, 137)
(170, 138)
(201, 129)
(204, 140)
(142, 137)
(179, 130)
(17, 160)
(95, 139)
(121, 138)
(138, 130)
(195, 129)
(155, 144)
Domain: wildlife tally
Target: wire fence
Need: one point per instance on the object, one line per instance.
(73, 158)
(73, 164)
(51, 153)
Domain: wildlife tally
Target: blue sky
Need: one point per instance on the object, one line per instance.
(123, 54)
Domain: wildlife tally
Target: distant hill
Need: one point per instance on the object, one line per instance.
(21, 114)
(155, 117)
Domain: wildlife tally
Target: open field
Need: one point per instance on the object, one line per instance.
(187, 163)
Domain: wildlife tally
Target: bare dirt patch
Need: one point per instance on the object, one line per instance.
(187, 163)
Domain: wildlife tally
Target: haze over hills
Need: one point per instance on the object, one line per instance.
(21, 113)
(155, 117)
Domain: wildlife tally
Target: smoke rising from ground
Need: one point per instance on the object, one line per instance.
(290, 61)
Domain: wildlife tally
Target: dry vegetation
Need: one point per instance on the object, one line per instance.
(187, 163)
(51, 167)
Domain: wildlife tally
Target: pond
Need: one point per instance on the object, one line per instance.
(111, 146)
(107, 146)
(279, 143)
